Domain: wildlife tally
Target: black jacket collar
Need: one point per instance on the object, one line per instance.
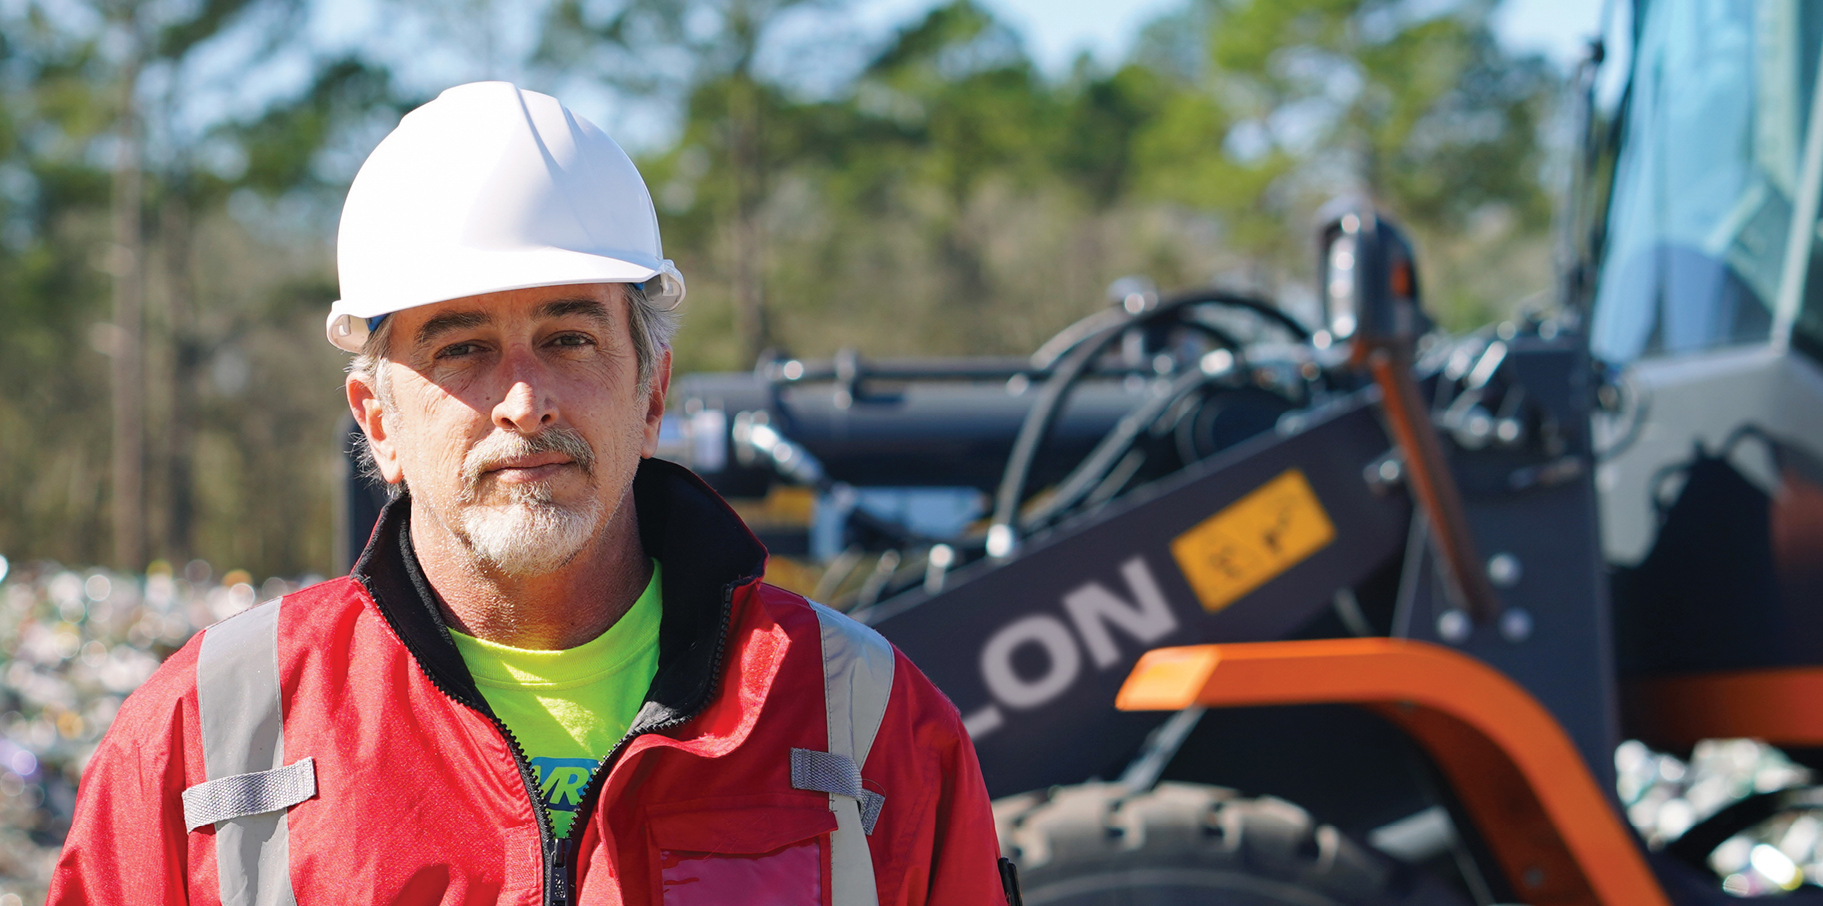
(704, 548)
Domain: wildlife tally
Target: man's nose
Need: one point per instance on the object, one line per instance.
(528, 405)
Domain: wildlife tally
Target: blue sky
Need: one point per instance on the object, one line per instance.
(454, 44)
(1057, 30)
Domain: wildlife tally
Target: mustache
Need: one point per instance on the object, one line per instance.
(503, 447)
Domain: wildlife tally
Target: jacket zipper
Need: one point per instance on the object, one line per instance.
(557, 852)
(554, 850)
(557, 876)
(591, 791)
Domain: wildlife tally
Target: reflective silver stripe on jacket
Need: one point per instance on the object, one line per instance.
(249, 786)
(857, 681)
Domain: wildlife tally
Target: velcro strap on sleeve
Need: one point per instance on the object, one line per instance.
(240, 795)
(827, 772)
(870, 809)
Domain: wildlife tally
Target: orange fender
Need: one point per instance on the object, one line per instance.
(1550, 825)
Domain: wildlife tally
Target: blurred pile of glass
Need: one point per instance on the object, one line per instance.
(73, 644)
(1665, 797)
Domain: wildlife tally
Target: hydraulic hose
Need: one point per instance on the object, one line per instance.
(1095, 466)
(1003, 533)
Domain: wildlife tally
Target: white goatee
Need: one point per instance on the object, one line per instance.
(529, 533)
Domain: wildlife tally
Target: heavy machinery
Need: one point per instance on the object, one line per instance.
(1195, 561)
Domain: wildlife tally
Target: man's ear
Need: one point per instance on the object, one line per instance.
(655, 403)
(371, 416)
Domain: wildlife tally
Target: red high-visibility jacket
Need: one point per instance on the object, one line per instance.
(422, 797)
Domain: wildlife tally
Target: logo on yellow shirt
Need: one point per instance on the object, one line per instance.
(561, 781)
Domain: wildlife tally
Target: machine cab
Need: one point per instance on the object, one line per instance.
(1706, 308)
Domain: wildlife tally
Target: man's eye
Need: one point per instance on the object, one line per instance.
(571, 340)
(457, 350)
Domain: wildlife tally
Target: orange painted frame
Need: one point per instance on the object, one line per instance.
(1513, 769)
(1783, 706)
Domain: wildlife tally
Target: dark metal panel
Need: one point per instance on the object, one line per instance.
(363, 496)
(1011, 619)
(1555, 637)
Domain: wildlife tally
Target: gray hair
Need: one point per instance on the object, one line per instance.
(652, 329)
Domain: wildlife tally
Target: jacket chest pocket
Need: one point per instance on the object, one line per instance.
(758, 856)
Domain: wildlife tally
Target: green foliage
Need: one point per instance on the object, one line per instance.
(1425, 115)
(282, 146)
(240, 416)
(953, 199)
(946, 197)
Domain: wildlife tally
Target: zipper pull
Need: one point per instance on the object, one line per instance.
(557, 886)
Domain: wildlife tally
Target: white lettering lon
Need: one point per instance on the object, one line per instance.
(1016, 691)
(1093, 607)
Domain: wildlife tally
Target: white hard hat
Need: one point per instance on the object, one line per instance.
(490, 188)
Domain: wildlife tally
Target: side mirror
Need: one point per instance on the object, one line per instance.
(1368, 279)
(1369, 282)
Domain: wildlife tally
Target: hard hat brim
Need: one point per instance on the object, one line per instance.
(347, 322)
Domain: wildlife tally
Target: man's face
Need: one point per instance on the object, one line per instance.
(516, 418)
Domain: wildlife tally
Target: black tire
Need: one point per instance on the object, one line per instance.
(1101, 844)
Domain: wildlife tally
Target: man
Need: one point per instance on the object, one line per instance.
(554, 676)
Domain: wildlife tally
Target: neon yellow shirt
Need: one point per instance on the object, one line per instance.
(568, 708)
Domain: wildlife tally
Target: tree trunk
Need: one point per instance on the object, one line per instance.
(128, 376)
(177, 231)
(749, 196)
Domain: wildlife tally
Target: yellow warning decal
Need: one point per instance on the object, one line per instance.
(1252, 540)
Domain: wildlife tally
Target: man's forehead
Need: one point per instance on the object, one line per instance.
(594, 301)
